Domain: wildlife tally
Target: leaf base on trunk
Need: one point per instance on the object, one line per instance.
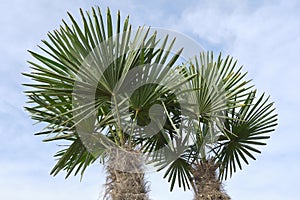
(125, 176)
(207, 185)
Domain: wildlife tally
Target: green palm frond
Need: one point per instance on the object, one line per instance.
(177, 164)
(219, 84)
(179, 170)
(245, 130)
(74, 158)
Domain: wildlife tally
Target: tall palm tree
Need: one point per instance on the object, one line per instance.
(223, 127)
(94, 88)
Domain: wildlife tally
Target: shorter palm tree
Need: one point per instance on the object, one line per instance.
(221, 128)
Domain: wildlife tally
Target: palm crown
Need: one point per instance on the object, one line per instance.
(100, 89)
(226, 125)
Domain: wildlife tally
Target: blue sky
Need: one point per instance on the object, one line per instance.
(263, 35)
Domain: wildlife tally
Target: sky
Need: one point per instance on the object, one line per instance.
(263, 35)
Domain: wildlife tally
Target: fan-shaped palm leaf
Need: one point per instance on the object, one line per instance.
(244, 131)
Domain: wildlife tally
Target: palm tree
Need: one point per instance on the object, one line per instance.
(222, 127)
(94, 88)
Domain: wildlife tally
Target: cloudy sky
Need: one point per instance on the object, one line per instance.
(263, 35)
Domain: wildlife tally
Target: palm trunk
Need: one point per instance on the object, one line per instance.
(126, 176)
(207, 185)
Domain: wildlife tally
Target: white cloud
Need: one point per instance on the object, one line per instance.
(265, 39)
(31, 181)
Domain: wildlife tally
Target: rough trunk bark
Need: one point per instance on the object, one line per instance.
(207, 185)
(125, 176)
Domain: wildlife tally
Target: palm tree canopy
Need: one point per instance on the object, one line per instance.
(226, 122)
(94, 86)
